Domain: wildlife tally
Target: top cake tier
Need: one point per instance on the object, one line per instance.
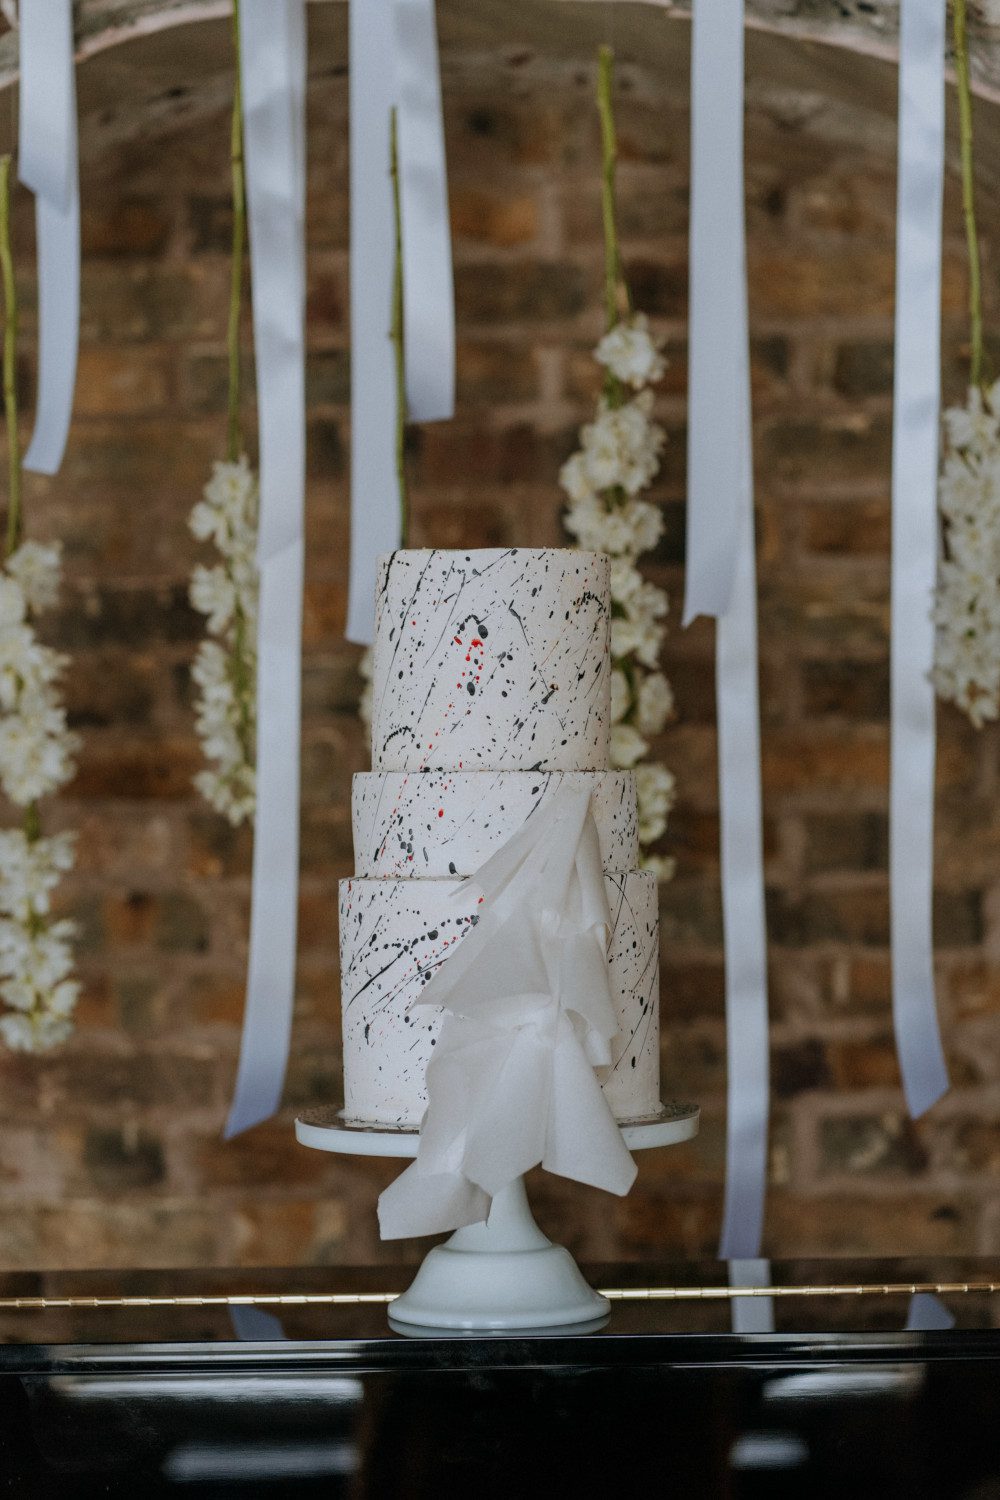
(492, 660)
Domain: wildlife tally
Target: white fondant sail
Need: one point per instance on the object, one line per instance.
(395, 934)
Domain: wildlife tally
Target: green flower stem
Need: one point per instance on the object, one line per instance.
(14, 521)
(615, 288)
(32, 823)
(234, 440)
(968, 190)
(243, 686)
(15, 515)
(609, 162)
(396, 329)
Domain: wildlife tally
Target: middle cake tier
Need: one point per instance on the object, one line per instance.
(435, 824)
(395, 934)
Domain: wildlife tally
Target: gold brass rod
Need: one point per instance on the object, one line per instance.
(614, 1294)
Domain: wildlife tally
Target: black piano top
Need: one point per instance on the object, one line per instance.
(859, 1309)
(195, 1394)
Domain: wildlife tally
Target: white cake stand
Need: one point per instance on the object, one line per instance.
(503, 1274)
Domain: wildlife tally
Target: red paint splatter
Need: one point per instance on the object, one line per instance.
(440, 812)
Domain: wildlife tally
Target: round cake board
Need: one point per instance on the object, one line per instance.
(503, 1275)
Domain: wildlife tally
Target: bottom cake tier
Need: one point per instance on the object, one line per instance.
(394, 934)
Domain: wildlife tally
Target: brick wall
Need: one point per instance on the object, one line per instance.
(110, 1151)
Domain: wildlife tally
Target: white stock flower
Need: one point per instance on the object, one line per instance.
(627, 746)
(228, 508)
(619, 456)
(967, 599)
(13, 605)
(624, 530)
(621, 696)
(631, 353)
(38, 1031)
(213, 594)
(655, 703)
(36, 749)
(640, 631)
(974, 425)
(30, 869)
(224, 669)
(626, 580)
(36, 757)
(35, 569)
(621, 449)
(663, 866)
(575, 479)
(655, 789)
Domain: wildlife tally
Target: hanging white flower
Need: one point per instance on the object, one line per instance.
(225, 667)
(35, 568)
(631, 353)
(967, 599)
(627, 746)
(655, 703)
(603, 481)
(621, 695)
(621, 449)
(655, 788)
(37, 754)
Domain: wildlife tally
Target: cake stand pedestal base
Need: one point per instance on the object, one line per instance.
(504, 1274)
(501, 1274)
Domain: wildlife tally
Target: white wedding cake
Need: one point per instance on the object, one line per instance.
(490, 688)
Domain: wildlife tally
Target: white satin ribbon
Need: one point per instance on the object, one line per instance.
(721, 581)
(751, 1314)
(429, 296)
(926, 1313)
(48, 164)
(394, 62)
(274, 77)
(915, 547)
(528, 1017)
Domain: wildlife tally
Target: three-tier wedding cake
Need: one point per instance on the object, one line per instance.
(491, 688)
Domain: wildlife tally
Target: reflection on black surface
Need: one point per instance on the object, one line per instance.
(923, 1430)
(666, 1401)
(257, 1462)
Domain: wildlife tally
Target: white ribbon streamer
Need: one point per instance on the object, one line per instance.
(721, 581)
(394, 62)
(48, 165)
(717, 362)
(751, 1314)
(429, 298)
(375, 499)
(926, 1314)
(528, 1017)
(915, 547)
(274, 77)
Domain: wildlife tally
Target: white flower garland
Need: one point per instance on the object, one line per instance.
(36, 759)
(225, 667)
(967, 597)
(967, 603)
(618, 458)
